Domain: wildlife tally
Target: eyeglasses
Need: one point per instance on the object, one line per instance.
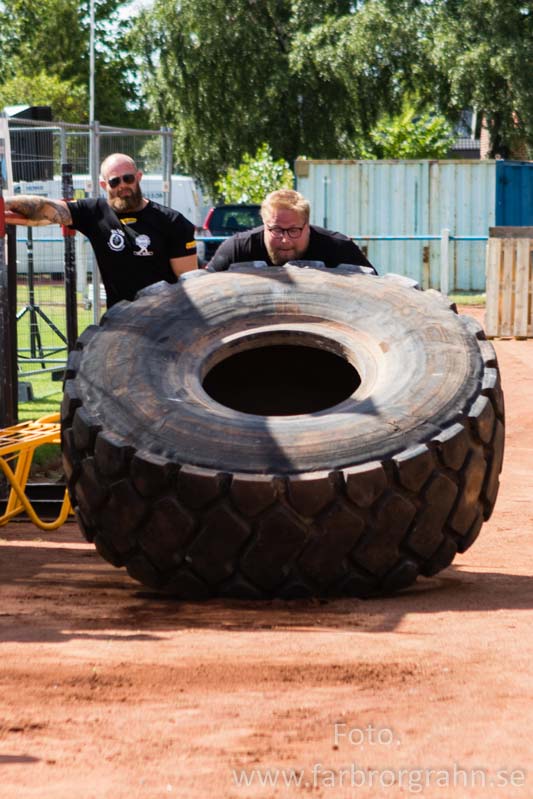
(292, 232)
(114, 182)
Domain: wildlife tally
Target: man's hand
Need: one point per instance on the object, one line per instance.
(31, 210)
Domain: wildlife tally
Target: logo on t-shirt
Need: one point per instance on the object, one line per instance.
(143, 242)
(116, 240)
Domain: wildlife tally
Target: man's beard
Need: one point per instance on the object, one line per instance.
(131, 202)
(280, 258)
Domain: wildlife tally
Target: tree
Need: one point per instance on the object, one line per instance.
(483, 54)
(68, 101)
(255, 178)
(51, 38)
(220, 75)
(409, 135)
(454, 54)
(368, 56)
(315, 77)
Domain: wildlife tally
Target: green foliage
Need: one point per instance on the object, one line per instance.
(454, 54)
(409, 135)
(220, 75)
(150, 156)
(360, 63)
(320, 77)
(324, 74)
(51, 39)
(47, 462)
(69, 101)
(482, 52)
(255, 177)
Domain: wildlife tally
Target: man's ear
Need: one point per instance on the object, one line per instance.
(102, 183)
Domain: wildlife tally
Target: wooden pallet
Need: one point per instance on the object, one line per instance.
(509, 309)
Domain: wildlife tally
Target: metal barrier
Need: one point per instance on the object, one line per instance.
(444, 237)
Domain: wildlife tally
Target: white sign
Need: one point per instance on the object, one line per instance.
(5, 157)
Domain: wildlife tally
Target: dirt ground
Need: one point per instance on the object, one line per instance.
(108, 691)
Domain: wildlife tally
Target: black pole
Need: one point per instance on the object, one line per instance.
(8, 330)
(70, 262)
(12, 294)
(36, 345)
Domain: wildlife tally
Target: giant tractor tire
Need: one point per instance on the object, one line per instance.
(282, 432)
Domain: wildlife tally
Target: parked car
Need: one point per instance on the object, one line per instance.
(225, 220)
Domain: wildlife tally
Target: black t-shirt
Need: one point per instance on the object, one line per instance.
(133, 249)
(324, 245)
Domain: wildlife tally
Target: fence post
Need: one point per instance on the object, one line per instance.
(166, 166)
(95, 174)
(67, 187)
(326, 200)
(445, 261)
(62, 145)
(8, 328)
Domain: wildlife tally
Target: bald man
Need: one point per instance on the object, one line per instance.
(136, 241)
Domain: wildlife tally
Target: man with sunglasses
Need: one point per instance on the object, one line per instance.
(136, 241)
(286, 235)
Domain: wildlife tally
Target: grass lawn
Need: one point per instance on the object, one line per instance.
(50, 299)
(47, 400)
(469, 298)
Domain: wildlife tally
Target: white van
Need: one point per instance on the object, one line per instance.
(184, 196)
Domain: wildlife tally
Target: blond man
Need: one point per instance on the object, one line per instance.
(286, 235)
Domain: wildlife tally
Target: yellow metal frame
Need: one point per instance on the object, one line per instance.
(18, 444)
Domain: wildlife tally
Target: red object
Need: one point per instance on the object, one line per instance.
(207, 220)
(2, 218)
(67, 231)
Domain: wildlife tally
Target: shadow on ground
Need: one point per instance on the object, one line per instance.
(57, 587)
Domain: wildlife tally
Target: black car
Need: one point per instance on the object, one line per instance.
(225, 220)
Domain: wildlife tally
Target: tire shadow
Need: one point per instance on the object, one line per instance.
(59, 589)
(455, 590)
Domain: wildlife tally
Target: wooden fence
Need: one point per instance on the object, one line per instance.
(509, 308)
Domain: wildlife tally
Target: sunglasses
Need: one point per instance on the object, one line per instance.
(114, 182)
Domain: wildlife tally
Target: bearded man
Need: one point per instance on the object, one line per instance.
(136, 241)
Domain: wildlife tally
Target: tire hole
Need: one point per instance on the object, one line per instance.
(281, 380)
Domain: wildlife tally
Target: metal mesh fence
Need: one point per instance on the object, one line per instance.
(38, 151)
(39, 148)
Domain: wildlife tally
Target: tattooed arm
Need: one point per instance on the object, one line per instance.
(31, 210)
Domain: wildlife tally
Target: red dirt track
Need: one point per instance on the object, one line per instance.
(108, 691)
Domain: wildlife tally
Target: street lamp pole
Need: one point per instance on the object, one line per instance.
(93, 124)
(93, 154)
(91, 62)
